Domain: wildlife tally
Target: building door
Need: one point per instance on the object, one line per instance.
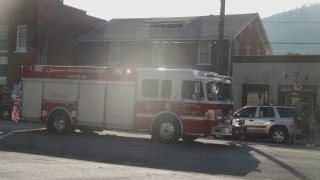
(255, 94)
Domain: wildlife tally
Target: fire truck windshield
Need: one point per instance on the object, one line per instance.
(218, 91)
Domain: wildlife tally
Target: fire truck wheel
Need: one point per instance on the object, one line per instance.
(167, 129)
(189, 138)
(59, 122)
(5, 113)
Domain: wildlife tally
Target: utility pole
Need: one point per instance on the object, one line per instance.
(220, 65)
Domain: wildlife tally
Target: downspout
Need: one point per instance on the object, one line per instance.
(229, 65)
(110, 53)
(38, 56)
(45, 51)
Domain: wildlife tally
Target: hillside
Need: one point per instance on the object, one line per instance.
(306, 29)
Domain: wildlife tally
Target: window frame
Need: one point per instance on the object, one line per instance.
(114, 53)
(248, 50)
(20, 48)
(244, 111)
(162, 89)
(201, 91)
(261, 108)
(209, 62)
(237, 48)
(6, 37)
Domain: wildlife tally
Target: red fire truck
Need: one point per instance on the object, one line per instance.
(169, 103)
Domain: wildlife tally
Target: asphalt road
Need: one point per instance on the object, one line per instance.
(28, 151)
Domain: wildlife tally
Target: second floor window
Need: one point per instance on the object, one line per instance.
(3, 38)
(248, 50)
(237, 48)
(204, 53)
(22, 32)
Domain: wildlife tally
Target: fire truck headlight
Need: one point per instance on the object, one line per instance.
(44, 113)
(230, 113)
(218, 114)
(210, 114)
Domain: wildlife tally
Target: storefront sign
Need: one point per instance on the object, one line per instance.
(297, 87)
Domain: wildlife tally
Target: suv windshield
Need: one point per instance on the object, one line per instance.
(217, 91)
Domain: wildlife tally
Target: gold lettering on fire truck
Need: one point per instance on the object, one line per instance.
(78, 76)
(191, 109)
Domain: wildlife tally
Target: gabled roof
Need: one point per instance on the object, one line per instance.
(193, 28)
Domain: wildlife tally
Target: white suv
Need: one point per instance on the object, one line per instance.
(280, 122)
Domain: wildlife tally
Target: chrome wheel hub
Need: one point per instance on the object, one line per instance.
(166, 130)
(278, 136)
(60, 123)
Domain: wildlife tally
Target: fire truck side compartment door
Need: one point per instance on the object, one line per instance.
(91, 104)
(31, 99)
(120, 105)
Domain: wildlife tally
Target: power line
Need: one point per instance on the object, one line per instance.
(294, 42)
(279, 42)
(292, 22)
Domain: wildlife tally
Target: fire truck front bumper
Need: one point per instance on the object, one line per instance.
(228, 130)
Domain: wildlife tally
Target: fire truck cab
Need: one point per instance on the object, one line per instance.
(169, 103)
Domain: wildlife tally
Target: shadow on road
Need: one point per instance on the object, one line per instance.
(195, 157)
(280, 163)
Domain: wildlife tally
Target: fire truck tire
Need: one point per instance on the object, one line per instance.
(167, 129)
(5, 113)
(189, 138)
(59, 122)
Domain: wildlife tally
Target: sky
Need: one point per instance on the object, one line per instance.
(111, 9)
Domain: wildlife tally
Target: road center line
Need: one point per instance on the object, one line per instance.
(2, 136)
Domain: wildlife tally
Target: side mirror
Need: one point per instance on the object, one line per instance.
(241, 121)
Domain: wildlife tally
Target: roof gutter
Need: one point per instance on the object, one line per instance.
(148, 40)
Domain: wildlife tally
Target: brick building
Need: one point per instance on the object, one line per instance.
(39, 32)
(174, 42)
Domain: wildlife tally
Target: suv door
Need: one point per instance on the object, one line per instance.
(248, 114)
(266, 118)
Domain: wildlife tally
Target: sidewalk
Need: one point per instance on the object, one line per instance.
(303, 142)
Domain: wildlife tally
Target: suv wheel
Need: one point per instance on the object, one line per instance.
(279, 135)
